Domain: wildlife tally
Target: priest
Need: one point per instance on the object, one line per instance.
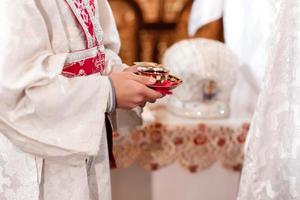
(58, 84)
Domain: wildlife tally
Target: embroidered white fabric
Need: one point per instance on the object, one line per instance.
(47, 130)
(82, 17)
(272, 166)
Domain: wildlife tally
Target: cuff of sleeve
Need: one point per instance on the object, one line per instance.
(111, 103)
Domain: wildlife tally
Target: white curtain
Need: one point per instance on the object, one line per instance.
(272, 166)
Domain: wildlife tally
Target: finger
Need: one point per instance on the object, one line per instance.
(151, 100)
(143, 104)
(145, 80)
(132, 69)
(151, 94)
(132, 106)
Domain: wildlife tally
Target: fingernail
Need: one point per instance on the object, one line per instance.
(152, 80)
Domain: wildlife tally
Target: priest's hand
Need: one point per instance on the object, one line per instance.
(133, 69)
(132, 91)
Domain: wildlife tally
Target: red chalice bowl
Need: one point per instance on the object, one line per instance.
(167, 85)
(164, 81)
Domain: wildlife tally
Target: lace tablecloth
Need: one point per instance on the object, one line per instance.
(195, 145)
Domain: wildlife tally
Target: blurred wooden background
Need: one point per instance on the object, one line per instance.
(148, 27)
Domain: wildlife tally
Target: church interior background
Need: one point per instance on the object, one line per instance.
(147, 29)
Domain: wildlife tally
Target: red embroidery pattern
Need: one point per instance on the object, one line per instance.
(81, 8)
(93, 64)
(85, 67)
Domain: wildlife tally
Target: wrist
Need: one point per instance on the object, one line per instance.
(111, 105)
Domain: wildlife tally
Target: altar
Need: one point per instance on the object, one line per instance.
(171, 157)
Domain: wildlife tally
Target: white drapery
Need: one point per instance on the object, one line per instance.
(272, 166)
(50, 125)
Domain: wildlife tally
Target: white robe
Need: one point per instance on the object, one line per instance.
(50, 125)
(247, 29)
(272, 160)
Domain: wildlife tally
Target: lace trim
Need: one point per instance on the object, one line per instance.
(79, 13)
(82, 55)
(97, 28)
(91, 60)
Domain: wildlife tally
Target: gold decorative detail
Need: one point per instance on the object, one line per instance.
(173, 9)
(150, 10)
(147, 42)
(127, 23)
(148, 27)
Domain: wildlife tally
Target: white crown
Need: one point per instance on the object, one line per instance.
(209, 72)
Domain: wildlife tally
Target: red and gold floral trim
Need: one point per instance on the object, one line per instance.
(195, 148)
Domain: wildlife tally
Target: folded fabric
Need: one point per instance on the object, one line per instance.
(204, 12)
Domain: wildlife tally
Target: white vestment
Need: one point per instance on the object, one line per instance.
(272, 160)
(248, 25)
(52, 133)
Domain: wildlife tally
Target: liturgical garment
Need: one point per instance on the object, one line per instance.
(53, 142)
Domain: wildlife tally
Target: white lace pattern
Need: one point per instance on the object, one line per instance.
(272, 166)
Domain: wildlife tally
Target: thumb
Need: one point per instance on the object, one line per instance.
(145, 80)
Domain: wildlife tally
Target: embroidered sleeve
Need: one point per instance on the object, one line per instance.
(42, 112)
